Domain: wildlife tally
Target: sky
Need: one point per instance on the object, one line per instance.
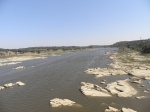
(33, 23)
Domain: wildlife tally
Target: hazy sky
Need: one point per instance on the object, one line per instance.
(28, 23)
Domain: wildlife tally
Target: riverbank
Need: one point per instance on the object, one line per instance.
(132, 62)
(18, 58)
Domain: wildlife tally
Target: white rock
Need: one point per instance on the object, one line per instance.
(101, 72)
(140, 97)
(1, 87)
(127, 110)
(19, 83)
(9, 85)
(137, 81)
(121, 88)
(140, 73)
(56, 102)
(20, 67)
(111, 109)
(89, 89)
(102, 82)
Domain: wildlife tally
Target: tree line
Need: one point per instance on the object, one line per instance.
(140, 45)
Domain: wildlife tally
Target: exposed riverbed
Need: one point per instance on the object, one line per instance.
(60, 77)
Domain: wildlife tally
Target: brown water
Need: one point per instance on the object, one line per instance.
(60, 77)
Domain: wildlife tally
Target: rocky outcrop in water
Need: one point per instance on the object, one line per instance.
(112, 109)
(8, 63)
(56, 102)
(20, 67)
(89, 89)
(1, 87)
(10, 85)
(19, 83)
(101, 72)
(141, 73)
(121, 88)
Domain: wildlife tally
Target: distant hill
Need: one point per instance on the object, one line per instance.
(139, 45)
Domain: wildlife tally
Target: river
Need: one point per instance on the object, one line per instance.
(60, 77)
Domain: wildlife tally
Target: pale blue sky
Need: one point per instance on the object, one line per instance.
(28, 23)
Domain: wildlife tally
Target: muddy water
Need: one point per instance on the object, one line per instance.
(60, 77)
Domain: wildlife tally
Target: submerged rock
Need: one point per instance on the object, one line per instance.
(121, 88)
(20, 67)
(89, 89)
(140, 97)
(56, 102)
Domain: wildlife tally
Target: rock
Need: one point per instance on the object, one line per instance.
(140, 97)
(121, 88)
(136, 81)
(89, 89)
(147, 77)
(20, 67)
(127, 110)
(102, 82)
(19, 83)
(111, 109)
(118, 72)
(101, 72)
(9, 85)
(56, 102)
(140, 73)
(146, 91)
(1, 87)
(142, 68)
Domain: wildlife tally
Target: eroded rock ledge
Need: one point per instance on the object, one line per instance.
(100, 72)
(56, 102)
(89, 89)
(121, 88)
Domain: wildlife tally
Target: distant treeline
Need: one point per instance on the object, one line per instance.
(140, 45)
(39, 49)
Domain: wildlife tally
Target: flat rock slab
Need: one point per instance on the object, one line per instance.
(140, 73)
(112, 109)
(101, 72)
(89, 89)
(56, 102)
(127, 110)
(121, 88)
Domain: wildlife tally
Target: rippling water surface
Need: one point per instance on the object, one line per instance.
(60, 77)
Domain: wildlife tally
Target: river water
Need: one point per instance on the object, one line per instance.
(60, 77)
